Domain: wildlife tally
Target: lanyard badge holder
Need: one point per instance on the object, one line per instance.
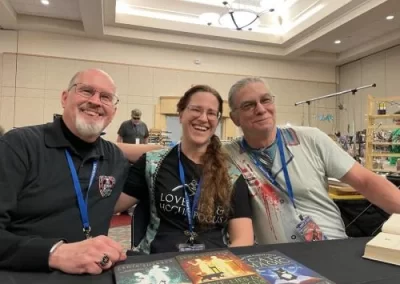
(307, 228)
(82, 203)
(191, 244)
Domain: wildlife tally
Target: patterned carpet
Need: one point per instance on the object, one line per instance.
(120, 230)
(121, 234)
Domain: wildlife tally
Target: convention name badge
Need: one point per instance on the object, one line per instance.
(309, 230)
(191, 247)
(137, 141)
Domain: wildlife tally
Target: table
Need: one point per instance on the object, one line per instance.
(338, 260)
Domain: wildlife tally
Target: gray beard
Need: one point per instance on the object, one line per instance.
(88, 130)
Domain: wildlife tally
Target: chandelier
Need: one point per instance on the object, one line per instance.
(240, 14)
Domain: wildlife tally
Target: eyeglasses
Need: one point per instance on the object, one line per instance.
(197, 111)
(136, 118)
(250, 106)
(87, 91)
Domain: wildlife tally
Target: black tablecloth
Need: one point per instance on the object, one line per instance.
(338, 260)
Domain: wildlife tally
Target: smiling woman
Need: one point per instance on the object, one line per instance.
(192, 190)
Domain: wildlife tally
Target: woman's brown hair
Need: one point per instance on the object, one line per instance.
(216, 187)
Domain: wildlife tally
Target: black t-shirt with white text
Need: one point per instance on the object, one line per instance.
(170, 203)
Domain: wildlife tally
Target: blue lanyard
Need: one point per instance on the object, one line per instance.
(78, 191)
(267, 173)
(189, 209)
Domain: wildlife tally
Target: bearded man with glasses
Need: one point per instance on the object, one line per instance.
(59, 183)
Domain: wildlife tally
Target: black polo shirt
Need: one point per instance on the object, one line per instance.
(38, 204)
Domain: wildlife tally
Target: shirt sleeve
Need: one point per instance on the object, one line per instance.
(20, 253)
(136, 184)
(241, 207)
(121, 130)
(336, 161)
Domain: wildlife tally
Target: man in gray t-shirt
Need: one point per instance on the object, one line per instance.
(286, 170)
(133, 131)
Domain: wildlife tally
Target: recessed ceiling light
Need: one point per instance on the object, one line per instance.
(337, 41)
(45, 2)
(391, 17)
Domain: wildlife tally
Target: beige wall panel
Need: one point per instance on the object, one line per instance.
(9, 67)
(143, 88)
(81, 65)
(8, 92)
(50, 44)
(7, 112)
(186, 79)
(29, 93)
(51, 106)
(53, 95)
(31, 72)
(350, 76)
(166, 83)
(224, 83)
(1, 71)
(123, 99)
(288, 92)
(392, 72)
(120, 75)
(373, 71)
(294, 118)
(28, 111)
(59, 72)
(8, 41)
(141, 81)
(369, 70)
(141, 100)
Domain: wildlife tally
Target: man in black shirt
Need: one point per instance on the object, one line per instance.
(59, 183)
(133, 131)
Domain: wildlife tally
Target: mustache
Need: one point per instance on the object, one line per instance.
(88, 106)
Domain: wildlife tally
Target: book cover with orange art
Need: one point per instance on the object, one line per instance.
(218, 267)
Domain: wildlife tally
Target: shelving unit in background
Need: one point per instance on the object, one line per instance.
(379, 129)
(160, 137)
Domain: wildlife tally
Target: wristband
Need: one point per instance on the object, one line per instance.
(55, 246)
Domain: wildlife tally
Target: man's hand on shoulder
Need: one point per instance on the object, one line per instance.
(90, 256)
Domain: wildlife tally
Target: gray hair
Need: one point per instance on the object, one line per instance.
(74, 78)
(240, 85)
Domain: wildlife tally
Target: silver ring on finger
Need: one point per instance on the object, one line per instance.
(104, 260)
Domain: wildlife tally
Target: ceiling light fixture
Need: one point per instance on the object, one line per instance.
(390, 17)
(45, 2)
(240, 15)
(338, 41)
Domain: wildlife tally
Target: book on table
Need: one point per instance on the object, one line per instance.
(385, 246)
(166, 271)
(219, 267)
(278, 268)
